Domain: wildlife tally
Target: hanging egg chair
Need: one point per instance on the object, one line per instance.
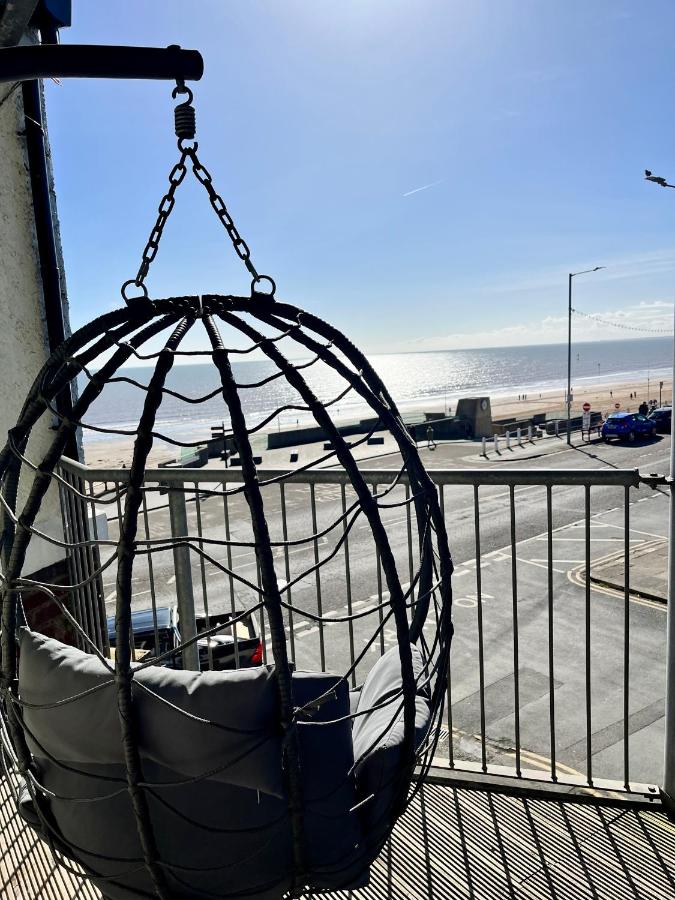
(155, 779)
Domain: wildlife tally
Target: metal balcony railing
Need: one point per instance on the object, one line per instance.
(541, 681)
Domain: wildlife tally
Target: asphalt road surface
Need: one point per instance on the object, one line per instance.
(502, 740)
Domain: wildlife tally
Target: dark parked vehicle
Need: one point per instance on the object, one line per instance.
(226, 649)
(627, 426)
(661, 417)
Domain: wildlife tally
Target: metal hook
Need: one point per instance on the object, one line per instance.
(182, 88)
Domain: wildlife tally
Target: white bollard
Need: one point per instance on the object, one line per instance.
(529, 433)
(484, 447)
(496, 443)
(557, 423)
(508, 440)
(519, 435)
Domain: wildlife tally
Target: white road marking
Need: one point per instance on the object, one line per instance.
(592, 540)
(575, 561)
(637, 531)
(539, 565)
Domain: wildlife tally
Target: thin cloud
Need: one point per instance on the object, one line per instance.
(425, 187)
(635, 321)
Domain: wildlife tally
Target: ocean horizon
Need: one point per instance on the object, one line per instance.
(414, 378)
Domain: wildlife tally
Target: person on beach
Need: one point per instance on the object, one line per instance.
(431, 443)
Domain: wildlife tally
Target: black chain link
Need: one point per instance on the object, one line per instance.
(176, 177)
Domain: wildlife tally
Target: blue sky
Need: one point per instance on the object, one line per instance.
(527, 123)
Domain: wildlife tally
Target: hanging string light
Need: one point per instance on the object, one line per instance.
(624, 325)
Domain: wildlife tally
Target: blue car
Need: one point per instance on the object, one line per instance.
(627, 426)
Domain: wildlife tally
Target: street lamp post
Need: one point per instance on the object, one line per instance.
(569, 346)
(669, 750)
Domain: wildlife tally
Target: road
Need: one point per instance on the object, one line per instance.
(333, 644)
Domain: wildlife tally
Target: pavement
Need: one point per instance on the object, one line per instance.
(647, 571)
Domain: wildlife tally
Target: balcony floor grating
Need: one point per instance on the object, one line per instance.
(454, 842)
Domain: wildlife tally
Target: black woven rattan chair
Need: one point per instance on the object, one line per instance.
(260, 781)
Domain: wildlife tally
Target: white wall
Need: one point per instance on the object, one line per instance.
(23, 330)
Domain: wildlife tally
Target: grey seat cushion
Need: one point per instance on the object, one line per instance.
(242, 746)
(227, 833)
(377, 736)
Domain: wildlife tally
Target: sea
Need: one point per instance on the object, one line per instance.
(432, 380)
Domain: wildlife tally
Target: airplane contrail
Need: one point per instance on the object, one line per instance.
(425, 187)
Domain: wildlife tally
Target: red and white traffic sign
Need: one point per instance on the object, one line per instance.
(617, 406)
(586, 407)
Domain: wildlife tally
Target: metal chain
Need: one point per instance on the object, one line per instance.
(168, 202)
(165, 208)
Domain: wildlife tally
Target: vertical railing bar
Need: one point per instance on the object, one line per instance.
(205, 597)
(182, 564)
(451, 736)
(263, 635)
(411, 567)
(79, 535)
(233, 606)
(380, 598)
(626, 639)
(287, 569)
(120, 516)
(68, 537)
(479, 612)
(317, 574)
(551, 679)
(101, 619)
(89, 597)
(587, 619)
(514, 595)
(348, 579)
(77, 562)
(151, 573)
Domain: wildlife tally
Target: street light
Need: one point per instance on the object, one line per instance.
(569, 345)
(669, 755)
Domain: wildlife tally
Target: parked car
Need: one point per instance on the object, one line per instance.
(627, 426)
(227, 650)
(661, 417)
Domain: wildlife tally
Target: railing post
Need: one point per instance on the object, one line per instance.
(669, 750)
(557, 427)
(519, 435)
(496, 440)
(484, 451)
(508, 440)
(185, 598)
(529, 433)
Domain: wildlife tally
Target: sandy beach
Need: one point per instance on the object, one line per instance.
(603, 397)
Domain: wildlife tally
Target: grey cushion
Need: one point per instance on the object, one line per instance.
(242, 704)
(232, 827)
(377, 741)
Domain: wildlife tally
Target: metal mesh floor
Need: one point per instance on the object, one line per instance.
(453, 842)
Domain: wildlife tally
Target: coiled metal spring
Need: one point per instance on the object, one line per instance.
(186, 120)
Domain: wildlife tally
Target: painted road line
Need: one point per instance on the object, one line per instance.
(539, 565)
(576, 578)
(593, 540)
(573, 561)
(663, 537)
